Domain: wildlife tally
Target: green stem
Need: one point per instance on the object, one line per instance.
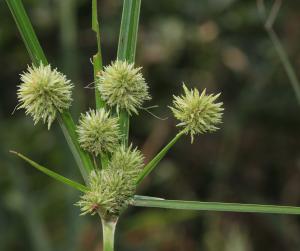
(154, 162)
(127, 49)
(82, 159)
(124, 126)
(97, 58)
(108, 228)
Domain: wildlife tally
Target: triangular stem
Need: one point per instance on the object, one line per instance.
(108, 229)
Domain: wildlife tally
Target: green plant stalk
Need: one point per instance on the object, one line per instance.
(127, 49)
(108, 229)
(97, 58)
(37, 56)
(283, 57)
(52, 174)
(82, 158)
(27, 32)
(139, 201)
(285, 62)
(154, 162)
(98, 66)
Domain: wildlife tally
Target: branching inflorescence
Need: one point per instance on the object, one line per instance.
(102, 134)
(111, 187)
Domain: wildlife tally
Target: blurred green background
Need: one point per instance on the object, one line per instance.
(220, 45)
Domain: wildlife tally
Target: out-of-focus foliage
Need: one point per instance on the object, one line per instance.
(215, 44)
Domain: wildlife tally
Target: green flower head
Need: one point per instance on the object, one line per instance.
(123, 86)
(197, 113)
(43, 92)
(111, 191)
(128, 159)
(112, 188)
(98, 132)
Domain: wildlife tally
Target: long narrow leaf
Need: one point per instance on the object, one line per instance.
(98, 65)
(129, 30)
(154, 162)
(214, 206)
(127, 48)
(82, 159)
(29, 37)
(97, 58)
(37, 55)
(52, 174)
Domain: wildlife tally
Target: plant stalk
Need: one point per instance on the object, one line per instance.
(108, 229)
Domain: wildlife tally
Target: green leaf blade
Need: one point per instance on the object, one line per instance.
(97, 58)
(127, 48)
(82, 158)
(37, 56)
(154, 162)
(52, 174)
(129, 30)
(215, 206)
(27, 32)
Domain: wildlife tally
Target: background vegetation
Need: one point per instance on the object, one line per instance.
(220, 45)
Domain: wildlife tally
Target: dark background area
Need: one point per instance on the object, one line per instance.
(220, 45)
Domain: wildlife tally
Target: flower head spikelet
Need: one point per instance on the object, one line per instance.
(112, 188)
(110, 193)
(123, 86)
(197, 113)
(98, 132)
(43, 92)
(128, 159)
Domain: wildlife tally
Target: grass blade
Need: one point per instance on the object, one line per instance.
(97, 58)
(52, 174)
(269, 21)
(127, 48)
(37, 55)
(215, 206)
(82, 158)
(129, 30)
(27, 32)
(154, 162)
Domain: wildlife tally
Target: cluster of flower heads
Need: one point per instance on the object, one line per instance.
(44, 92)
(112, 188)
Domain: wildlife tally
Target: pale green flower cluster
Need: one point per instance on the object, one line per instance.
(43, 92)
(197, 113)
(122, 86)
(112, 188)
(98, 132)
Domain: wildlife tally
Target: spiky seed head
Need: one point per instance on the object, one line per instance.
(128, 159)
(197, 113)
(98, 132)
(43, 92)
(111, 191)
(123, 86)
(112, 188)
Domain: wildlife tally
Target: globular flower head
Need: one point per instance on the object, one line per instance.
(98, 132)
(111, 191)
(197, 113)
(113, 187)
(123, 86)
(43, 92)
(128, 159)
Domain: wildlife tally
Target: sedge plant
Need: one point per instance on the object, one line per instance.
(110, 165)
